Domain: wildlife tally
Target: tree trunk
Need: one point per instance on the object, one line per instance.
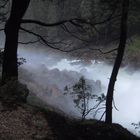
(10, 68)
(121, 49)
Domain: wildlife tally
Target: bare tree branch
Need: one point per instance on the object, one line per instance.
(74, 21)
(29, 42)
(115, 105)
(110, 51)
(102, 115)
(73, 35)
(98, 110)
(50, 44)
(48, 24)
(94, 107)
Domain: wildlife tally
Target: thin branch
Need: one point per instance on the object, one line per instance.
(29, 42)
(115, 105)
(93, 107)
(102, 115)
(50, 44)
(74, 21)
(73, 35)
(110, 51)
(48, 24)
(98, 110)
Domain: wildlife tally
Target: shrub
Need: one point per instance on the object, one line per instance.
(82, 94)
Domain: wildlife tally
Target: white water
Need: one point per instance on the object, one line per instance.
(44, 71)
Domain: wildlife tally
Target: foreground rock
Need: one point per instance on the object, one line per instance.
(26, 122)
(66, 129)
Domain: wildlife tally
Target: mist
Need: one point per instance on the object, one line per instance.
(47, 73)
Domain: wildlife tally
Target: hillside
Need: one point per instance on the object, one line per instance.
(28, 122)
(37, 121)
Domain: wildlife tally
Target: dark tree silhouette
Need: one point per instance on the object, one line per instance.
(10, 67)
(12, 27)
(120, 53)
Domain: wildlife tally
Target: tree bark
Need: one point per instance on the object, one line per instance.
(118, 60)
(10, 68)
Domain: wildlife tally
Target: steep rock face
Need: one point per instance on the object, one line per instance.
(54, 10)
(51, 11)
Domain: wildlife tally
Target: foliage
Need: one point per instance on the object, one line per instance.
(132, 54)
(21, 61)
(134, 46)
(82, 93)
(137, 126)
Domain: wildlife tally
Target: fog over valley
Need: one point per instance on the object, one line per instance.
(47, 73)
(70, 69)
